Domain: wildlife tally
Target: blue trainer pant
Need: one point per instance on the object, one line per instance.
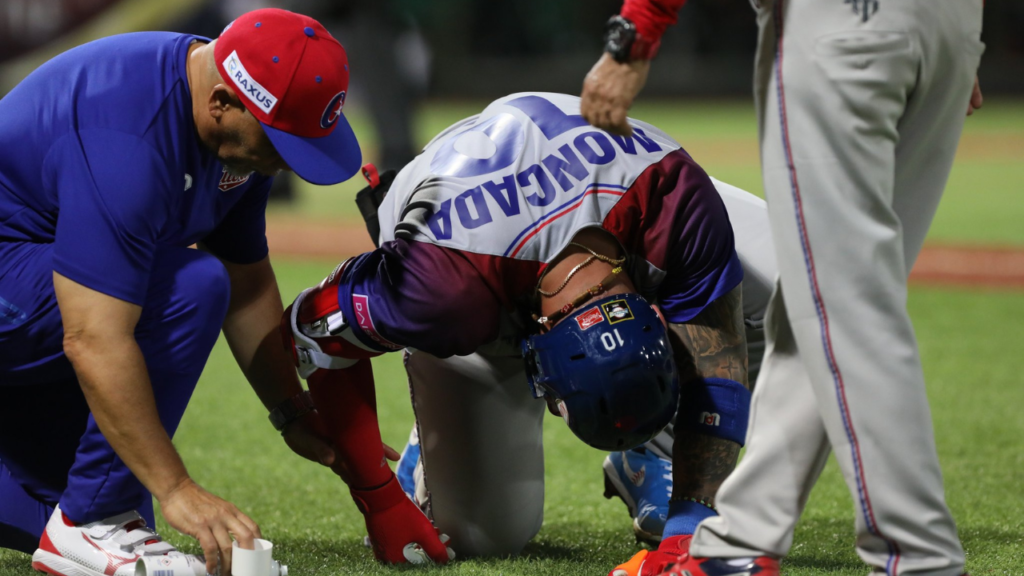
(51, 450)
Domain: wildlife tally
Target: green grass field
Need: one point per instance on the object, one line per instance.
(970, 346)
(972, 360)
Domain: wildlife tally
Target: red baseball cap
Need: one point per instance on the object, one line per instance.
(292, 75)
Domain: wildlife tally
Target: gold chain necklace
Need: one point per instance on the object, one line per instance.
(590, 260)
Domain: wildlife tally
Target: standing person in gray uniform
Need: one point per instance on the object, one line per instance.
(860, 108)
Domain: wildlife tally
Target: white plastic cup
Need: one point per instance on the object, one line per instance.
(255, 562)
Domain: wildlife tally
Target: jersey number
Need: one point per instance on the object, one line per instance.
(496, 143)
(610, 342)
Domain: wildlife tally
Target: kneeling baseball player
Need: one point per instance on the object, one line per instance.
(527, 255)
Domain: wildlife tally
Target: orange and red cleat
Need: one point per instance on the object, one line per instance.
(672, 550)
(690, 566)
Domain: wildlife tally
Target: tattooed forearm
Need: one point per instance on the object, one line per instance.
(700, 464)
(712, 345)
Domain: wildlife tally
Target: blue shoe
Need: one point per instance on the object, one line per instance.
(644, 482)
(407, 464)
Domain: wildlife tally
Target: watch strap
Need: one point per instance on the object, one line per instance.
(625, 43)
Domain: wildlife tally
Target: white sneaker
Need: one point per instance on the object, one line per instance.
(108, 547)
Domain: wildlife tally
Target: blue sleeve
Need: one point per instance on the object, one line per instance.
(418, 295)
(241, 237)
(114, 199)
(703, 264)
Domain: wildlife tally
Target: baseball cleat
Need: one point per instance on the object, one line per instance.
(108, 547)
(751, 566)
(644, 482)
(653, 562)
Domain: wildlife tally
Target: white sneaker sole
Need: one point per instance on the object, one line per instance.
(51, 563)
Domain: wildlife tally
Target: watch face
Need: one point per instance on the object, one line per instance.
(615, 39)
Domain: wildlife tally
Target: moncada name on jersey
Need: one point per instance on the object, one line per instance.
(523, 161)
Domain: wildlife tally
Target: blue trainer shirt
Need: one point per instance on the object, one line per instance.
(100, 157)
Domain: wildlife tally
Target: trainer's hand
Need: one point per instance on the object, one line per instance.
(976, 98)
(212, 521)
(608, 93)
(399, 531)
(307, 437)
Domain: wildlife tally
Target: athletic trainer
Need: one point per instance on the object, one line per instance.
(117, 156)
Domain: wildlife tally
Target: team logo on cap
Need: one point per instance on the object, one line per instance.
(333, 110)
(249, 87)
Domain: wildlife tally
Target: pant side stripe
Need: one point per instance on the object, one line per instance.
(865, 500)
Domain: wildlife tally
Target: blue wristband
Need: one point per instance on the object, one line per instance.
(716, 407)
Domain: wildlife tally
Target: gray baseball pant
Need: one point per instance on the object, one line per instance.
(861, 105)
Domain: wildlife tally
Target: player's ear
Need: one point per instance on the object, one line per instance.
(222, 100)
(661, 315)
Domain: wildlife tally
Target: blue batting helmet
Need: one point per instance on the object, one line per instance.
(609, 366)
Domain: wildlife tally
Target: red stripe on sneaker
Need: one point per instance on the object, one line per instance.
(46, 544)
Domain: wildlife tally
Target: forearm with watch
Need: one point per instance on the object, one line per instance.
(631, 40)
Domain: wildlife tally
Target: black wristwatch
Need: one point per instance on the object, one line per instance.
(624, 43)
(291, 410)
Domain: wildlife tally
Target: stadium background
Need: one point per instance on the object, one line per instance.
(967, 294)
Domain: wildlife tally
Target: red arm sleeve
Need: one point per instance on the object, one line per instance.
(347, 402)
(652, 17)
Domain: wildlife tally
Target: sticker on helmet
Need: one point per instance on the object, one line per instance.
(617, 311)
(589, 318)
